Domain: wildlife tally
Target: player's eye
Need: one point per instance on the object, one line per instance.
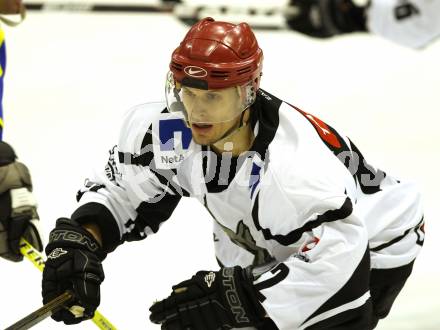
(212, 96)
(188, 93)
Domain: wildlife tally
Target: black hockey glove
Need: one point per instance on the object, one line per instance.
(73, 263)
(326, 18)
(18, 208)
(209, 301)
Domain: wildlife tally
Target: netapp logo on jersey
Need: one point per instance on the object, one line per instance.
(195, 71)
(171, 159)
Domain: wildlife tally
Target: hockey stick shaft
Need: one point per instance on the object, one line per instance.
(100, 7)
(43, 312)
(37, 259)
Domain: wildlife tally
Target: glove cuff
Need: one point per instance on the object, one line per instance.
(68, 233)
(250, 291)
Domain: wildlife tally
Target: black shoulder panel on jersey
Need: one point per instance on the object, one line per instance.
(365, 175)
(329, 216)
(368, 178)
(265, 111)
(331, 138)
(354, 288)
(328, 134)
(103, 218)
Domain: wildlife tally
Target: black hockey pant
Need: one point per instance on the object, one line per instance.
(385, 285)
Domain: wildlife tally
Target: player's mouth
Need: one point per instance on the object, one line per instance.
(201, 128)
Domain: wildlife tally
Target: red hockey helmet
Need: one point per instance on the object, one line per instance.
(215, 55)
(220, 54)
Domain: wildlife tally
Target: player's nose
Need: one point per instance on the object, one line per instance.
(199, 113)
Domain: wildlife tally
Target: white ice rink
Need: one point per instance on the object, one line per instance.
(71, 76)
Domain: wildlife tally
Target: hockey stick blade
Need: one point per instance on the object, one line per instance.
(37, 259)
(43, 312)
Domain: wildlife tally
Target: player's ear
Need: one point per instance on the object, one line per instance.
(241, 95)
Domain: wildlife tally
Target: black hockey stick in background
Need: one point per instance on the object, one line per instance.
(43, 312)
(265, 16)
(100, 7)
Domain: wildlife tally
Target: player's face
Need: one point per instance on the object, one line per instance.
(211, 113)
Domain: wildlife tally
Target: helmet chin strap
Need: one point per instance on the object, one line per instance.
(233, 129)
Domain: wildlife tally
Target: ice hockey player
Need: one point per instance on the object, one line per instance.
(18, 208)
(308, 234)
(412, 23)
(7, 7)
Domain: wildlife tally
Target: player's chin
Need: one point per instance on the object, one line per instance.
(203, 140)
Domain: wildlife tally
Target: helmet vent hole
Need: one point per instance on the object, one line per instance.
(176, 66)
(244, 70)
(220, 74)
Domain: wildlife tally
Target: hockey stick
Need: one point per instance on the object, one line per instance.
(38, 260)
(259, 17)
(40, 314)
(100, 7)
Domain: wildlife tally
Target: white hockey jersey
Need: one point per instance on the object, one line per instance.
(303, 195)
(412, 23)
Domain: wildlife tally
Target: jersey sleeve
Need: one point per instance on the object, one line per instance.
(129, 199)
(413, 23)
(325, 284)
